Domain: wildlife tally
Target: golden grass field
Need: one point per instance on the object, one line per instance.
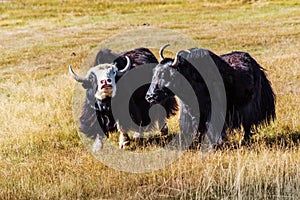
(41, 154)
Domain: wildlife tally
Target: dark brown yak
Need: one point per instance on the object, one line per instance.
(100, 84)
(250, 98)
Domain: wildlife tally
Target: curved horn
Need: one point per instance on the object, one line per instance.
(162, 50)
(176, 59)
(75, 76)
(126, 68)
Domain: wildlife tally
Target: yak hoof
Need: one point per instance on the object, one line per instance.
(137, 135)
(244, 142)
(123, 140)
(123, 144)
(98, 144)
(164, 130)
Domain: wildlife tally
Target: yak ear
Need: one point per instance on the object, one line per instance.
(175, 67)
(178, 57)
(86, 85)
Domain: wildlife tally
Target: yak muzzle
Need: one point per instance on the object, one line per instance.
(151, 98)
(106, 86)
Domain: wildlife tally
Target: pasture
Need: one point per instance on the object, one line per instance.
(41, 154)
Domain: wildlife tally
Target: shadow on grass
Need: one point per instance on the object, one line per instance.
(152, 142)
(285, 138)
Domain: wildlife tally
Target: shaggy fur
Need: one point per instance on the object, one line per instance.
(97, 114)
(250, 98)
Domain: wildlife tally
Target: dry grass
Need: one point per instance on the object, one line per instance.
(41, 155)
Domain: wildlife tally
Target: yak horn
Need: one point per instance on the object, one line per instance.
(162, 50)
(126, 68)
(176, 59)
(75, 76)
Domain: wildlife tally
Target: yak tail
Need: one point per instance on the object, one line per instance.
(268, 99)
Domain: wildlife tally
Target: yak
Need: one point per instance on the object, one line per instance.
(250, 99)
(100, 84)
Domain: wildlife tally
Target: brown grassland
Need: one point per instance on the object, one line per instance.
(41, 154)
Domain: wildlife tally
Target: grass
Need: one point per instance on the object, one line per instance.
(41, 154)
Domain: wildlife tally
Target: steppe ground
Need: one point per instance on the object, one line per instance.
(41, 154)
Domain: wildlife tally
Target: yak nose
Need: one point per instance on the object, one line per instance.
(105, 81)
(150, 98)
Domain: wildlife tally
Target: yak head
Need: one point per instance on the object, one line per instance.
(100, 81)
(163, 77)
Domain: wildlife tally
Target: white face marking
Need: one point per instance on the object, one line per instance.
(106, 81)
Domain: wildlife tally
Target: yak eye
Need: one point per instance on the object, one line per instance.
(92, 77)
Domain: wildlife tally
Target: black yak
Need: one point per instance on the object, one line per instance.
(250, 99)
(100, 84)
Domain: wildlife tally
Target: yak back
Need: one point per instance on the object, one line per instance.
(196, 79)
(252, 87)
(260, 92)
(105, 56)
(248, 90)
(139, 56)
(240, 73)
(244, 77)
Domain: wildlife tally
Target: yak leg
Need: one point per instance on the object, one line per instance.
(247, 135)
(223, 137)
(247, 117)
(123, 138)
(103, 120)
(188, 126)
(98, 144)
(211, 139)
(164, 130)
